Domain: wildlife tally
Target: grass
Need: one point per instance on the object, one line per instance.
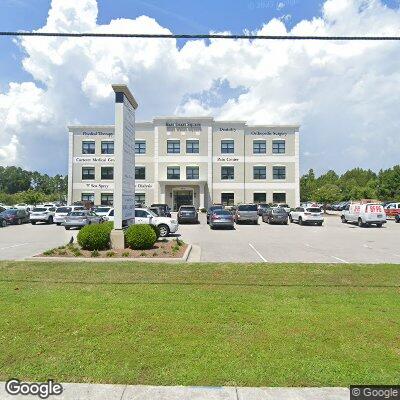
(200, 324)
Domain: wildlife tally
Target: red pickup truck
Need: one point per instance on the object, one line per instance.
(392, 209)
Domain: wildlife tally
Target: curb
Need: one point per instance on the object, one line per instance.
(112, 259)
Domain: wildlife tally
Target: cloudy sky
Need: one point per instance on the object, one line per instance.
(345, 95)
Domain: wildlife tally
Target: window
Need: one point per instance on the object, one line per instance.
(140, 198)
(278, 147)
(173, 146)
(227, 173)
(173, 173)
(227, 146)
(260, 172)
(279, 172)
(140, 173)
(88, 147)
(107, 199)
(140, 147)
(192, 146)
(107, 147)
(228, 199)
(259, 198)
(88, 173)
(192, 172)
(281, 198)
(141, 214)
(88, 197)
(259, 147)
(107, 173)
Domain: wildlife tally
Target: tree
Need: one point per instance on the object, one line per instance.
(328, 193)
(308, 186)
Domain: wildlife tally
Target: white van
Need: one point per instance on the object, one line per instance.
(364, 214)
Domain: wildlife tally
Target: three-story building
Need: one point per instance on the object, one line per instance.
(183, 160)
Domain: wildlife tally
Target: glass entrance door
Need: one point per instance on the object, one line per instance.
(183, 198)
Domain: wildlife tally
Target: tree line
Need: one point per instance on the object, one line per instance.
(20, 186)
(355, 184)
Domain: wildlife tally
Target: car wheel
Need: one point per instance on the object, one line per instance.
(19, 221)
(164, 230)
(379, 225)
(58, 223)
(3, 223)
(360, 223)
(344, 221)
(290, 219)
(67, 228)
(300, 221)
(320, 223)
(50, 220)
(33, 222)
(397, 220)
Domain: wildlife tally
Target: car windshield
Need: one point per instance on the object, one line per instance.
(212, 208)
(9, 212)
(279, 210)
(39, 209)
(222, 212)
(63, 210)
(188, 209)
(102, 209)
(247, 207)
(152, 213)
(264, 205)
(314, 210)
(77, 214)
(284, 205)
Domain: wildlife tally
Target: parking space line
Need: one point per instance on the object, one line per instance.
(15, 245)
(340, 259)
(258, 253)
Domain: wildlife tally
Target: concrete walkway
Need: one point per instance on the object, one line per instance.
(78, 391)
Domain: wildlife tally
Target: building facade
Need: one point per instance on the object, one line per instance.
(197, 161)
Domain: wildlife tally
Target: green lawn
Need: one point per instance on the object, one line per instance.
(200, 324)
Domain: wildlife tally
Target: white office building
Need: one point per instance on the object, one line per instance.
(183, 160)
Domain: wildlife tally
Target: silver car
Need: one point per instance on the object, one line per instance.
(221, 219)
(78, 219)
(246, 213)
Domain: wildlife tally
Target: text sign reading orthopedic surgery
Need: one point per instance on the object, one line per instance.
(124, 154)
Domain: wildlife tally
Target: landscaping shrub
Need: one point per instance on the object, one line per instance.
(140, 237)
(156, 230)
(95, 237)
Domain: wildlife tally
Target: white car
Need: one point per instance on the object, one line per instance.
(166, 225)
(42, 214)
(102, 210)
(23, 206)
(307, 215)
(364, 214)
(62, 212)
(109, 216)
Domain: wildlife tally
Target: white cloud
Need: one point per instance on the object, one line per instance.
(343, 93)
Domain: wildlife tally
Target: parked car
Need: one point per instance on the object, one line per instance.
(277, 215)
(212, 209)
(166, 225)
(262, 208)
(3, 222)
(246, 213)
(78, 219)
(159, 211)
(23, 206)
(188, 214)
(42, 214)
(165, 208)
(307, 215)
(392, 209)
(221, 218)
(2, 209)
(285, 207)
(101, 210)
(364, 214)
(62, 212)
(15, 216)
(109, 216)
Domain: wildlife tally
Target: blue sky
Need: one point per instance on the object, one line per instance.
(341, 94)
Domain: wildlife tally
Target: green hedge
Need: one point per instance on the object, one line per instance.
(140, 237)
(156, 230)
(95, 237)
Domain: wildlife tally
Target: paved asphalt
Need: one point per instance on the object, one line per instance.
(332, 243)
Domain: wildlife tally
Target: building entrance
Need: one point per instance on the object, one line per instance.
(182, 198)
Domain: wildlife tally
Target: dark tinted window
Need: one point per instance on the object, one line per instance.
(216, 208)
(222, 212)
(314, 210)
(78, 213)
(247, 207)
(63, 209)
(187, 209)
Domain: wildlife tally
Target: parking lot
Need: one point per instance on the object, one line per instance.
(332, 243)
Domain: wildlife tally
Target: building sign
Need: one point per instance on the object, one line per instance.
(227, 159)
(183, 126)
(93, 160)
(96, 133)
(227, 129)
(268, 133)
(142, 186)
(124, 153)
(94, 186)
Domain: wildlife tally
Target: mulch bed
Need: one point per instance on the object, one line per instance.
(161, 249)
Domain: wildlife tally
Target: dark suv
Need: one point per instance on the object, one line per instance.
(188, 214)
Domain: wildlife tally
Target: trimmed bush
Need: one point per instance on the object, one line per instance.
(156, 230)
(140, 237)
(95, 237)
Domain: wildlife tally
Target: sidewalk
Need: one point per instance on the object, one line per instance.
(79, 391)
